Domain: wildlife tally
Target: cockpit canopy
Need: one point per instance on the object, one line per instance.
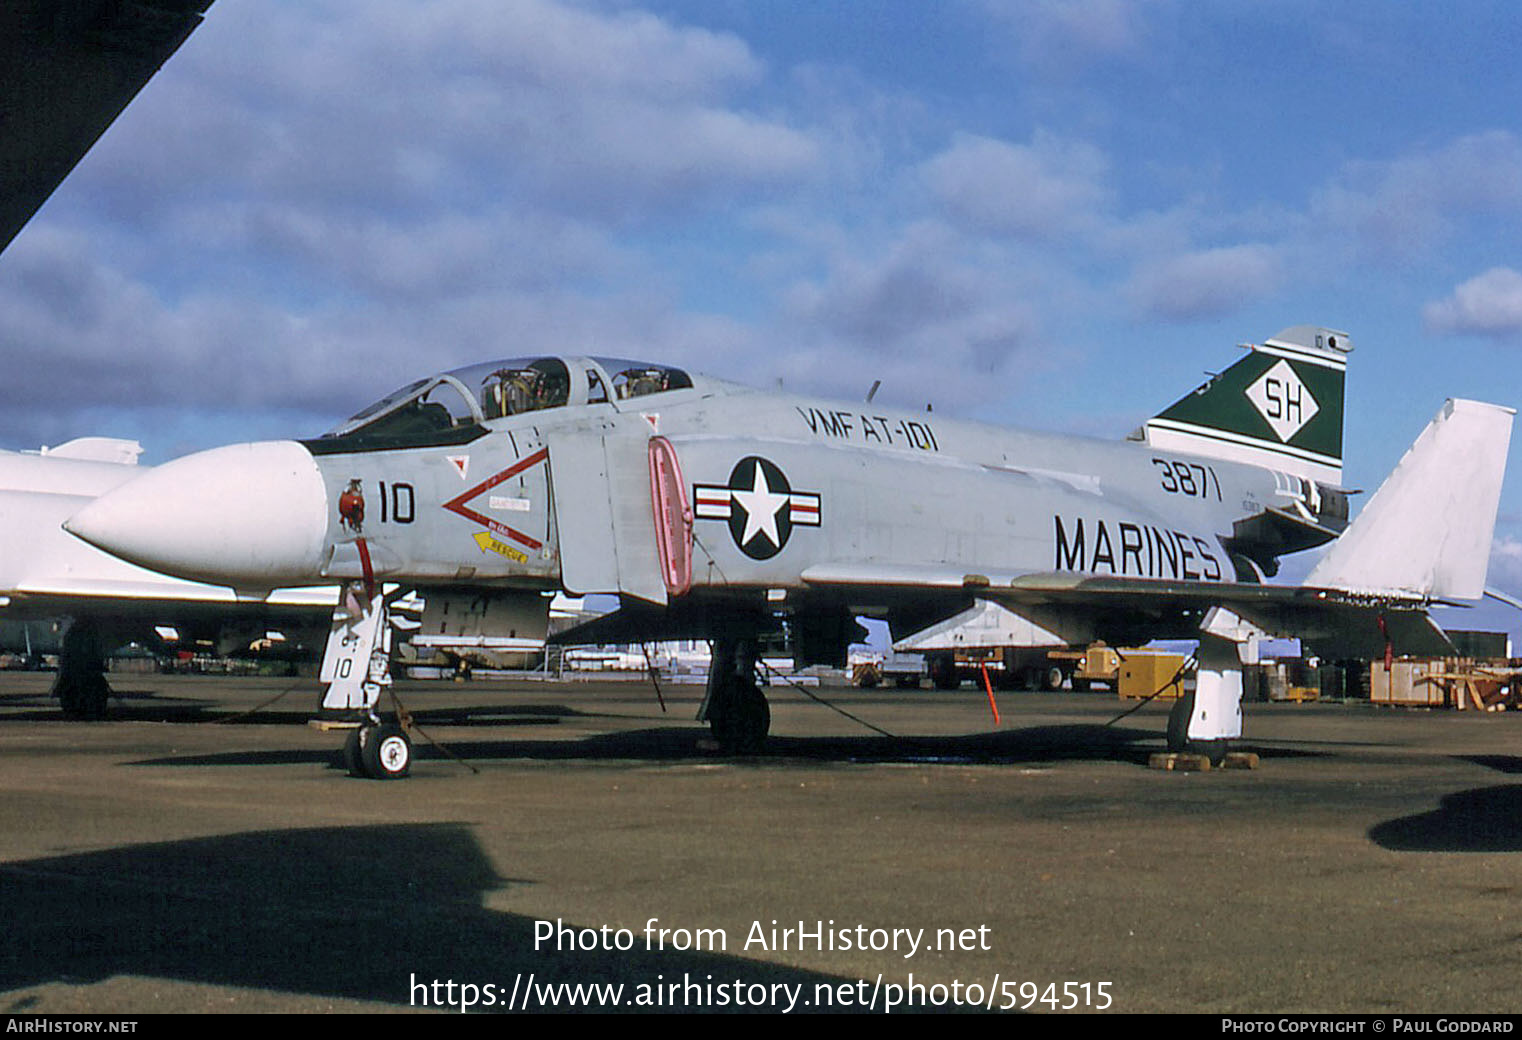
(452, 407)
(515, 387)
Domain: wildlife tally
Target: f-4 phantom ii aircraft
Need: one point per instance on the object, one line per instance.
(714, 510)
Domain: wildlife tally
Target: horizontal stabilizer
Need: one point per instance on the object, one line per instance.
(1426, 532)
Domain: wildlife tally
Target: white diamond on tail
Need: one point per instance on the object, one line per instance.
(1282, 399)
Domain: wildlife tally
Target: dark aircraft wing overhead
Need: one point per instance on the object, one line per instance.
(67, 69)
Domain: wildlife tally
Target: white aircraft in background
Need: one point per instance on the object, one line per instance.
(45, 573)
(68, 68)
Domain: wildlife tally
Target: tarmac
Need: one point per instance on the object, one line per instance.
(204, 851)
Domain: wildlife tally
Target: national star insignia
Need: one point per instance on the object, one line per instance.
(759, 505)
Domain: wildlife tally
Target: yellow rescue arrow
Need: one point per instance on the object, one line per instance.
(490, 544)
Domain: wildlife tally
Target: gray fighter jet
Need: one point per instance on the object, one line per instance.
(717, 511)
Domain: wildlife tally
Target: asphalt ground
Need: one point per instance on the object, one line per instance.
(186, 858)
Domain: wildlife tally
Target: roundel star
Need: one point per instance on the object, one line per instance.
(761, 505)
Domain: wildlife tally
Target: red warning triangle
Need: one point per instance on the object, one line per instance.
(462, 504)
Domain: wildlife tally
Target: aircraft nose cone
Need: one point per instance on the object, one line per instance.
(251, 516)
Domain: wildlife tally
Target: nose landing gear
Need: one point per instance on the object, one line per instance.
(357, 669)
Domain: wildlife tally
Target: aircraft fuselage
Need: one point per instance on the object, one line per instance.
(706, 487)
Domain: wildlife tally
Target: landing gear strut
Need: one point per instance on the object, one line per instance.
(357, 669)
(1209, 720)
(81, 685)
(735, 707)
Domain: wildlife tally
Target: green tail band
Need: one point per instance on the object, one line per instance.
(1280, 406)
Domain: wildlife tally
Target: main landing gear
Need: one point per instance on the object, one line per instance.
(1209, 720)
(735, 708)
(81, 686)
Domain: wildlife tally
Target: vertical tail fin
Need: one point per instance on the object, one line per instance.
(1280, 407)
(1427, 530)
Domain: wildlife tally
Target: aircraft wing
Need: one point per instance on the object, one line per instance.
(1122, 611)
(67, 69)
(66, 595)
(1152, 609)
(1361, 626)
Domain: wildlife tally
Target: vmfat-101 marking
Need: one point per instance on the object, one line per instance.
(878, 430)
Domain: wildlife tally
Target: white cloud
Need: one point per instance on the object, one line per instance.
(1406, 205)
(316, 202)
(441, 255)
(1206, 283)
(1489, 304)
(85, 338)
(106, 338)
(1047, 188)
(557, 44)
(1505, 571)
(1057, 36)
(392, 104)
(929, 315)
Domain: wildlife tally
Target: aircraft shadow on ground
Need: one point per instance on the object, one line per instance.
(1090, 741)
(354, 913)
(1485, 819)
(295, 710)
(1500, 763)
(125, 706)
(1032, 745)
(1035, 744)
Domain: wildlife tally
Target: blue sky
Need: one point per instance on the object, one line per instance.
(1051, 214)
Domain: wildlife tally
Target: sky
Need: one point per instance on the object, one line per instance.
(1054, 214)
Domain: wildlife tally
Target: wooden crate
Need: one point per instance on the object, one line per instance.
(1408, 681)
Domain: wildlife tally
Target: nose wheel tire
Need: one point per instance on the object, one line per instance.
(379, 752)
